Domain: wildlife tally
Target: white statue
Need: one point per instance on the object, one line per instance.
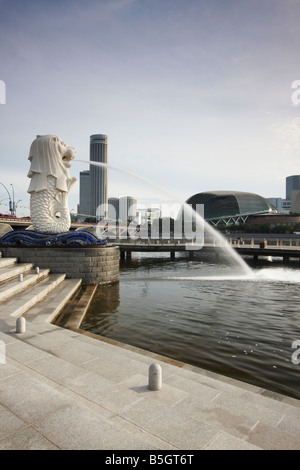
(50, 184)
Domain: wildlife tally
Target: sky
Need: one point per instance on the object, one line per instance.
(194, 95)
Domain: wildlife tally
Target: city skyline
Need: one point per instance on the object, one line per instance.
(195, 96)
(94, 187)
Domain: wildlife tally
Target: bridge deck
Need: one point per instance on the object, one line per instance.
(259, 245)
(283, 249)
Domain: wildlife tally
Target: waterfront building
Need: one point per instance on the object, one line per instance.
(128, 208)
(141, 214)
(295, 201)
(276, 202)
(98, 176)
(113, 208)
(230, 206)
(286, 205)
(282, 205)
(292, 184)
(154, 212)
(84, 195)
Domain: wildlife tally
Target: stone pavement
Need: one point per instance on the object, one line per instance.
(63, 389)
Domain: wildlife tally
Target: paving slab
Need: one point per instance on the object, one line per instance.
(180, 430)
(225, 441)
(10, 423)
(86, 430)
(28, 398)
(270, 438)
(65, 389)
(27, 438)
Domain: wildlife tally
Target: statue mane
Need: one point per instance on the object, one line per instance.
(49, 156)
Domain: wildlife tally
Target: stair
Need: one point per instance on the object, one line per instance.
(20, 294)
(10, 268)
(70, 391)
(14, 287)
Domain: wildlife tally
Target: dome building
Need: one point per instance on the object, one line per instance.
(230, 206)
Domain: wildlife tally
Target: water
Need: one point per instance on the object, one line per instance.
(203, 227)
(223, 316)
(201, 313)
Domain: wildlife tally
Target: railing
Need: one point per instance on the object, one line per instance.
(275, 247)
(265, 244)
(238, 243)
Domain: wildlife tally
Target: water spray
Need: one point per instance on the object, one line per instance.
(216, 235)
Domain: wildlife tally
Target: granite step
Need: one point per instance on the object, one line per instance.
(7, 261)
(14, 286)
(18, 305)
(84, 379)
(107, 384)
(49, 308)
(11, 271)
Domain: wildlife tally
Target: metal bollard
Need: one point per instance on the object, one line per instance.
(20, 278)
(155, 377)
(37, 270)
(21, 325)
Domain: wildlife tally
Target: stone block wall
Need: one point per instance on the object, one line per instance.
(94, 265)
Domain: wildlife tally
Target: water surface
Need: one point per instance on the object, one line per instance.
(207, 314)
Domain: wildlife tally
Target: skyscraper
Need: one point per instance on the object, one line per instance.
(98, 175)
(127, 208)
(113, 208)
(292, 183)
(84, 194)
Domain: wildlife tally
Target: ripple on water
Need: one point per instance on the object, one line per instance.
(242, 326)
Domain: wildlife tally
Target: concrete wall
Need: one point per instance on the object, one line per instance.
(93, 265)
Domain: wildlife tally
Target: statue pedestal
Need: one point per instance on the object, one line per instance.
(94, 265)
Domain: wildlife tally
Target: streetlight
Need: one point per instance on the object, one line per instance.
(13, 201)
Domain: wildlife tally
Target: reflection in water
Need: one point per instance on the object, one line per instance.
(241, 326)
(101, 311)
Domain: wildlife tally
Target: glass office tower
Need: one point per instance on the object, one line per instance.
(292, 184)
(84, 194)
(113, 208)
(98, 176)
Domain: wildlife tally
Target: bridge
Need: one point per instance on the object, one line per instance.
(280, 248)
(25, 222)
(257, 245)
(284, 248)
(16, 223)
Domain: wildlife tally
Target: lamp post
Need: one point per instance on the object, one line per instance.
(13, 201)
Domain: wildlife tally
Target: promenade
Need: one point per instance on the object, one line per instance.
(259, 246)
(65, 389)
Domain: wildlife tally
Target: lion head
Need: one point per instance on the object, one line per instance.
(49, 156)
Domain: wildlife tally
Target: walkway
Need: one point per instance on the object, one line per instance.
(61, 389)
(284, 249)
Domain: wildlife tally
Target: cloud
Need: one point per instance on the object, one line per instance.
(190, 93)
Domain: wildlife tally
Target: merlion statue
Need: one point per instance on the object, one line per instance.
(50, 184)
